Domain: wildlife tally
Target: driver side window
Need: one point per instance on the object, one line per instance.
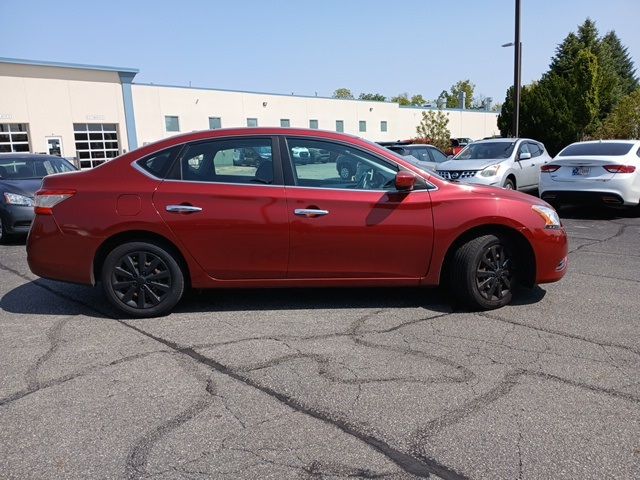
(322, 164)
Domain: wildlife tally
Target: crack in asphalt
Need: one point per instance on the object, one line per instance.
(422, 467)
(55, 338)
(72, 376)
(621, 230)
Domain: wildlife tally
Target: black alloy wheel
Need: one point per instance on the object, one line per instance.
(142, 279)
(481, 272)
(493, 274)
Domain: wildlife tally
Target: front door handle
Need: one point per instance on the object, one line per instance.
(183, 209)
(310, 212)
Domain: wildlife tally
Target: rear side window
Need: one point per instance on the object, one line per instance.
(535, 149)
(241, 160)
(159, 163)
(611, 149)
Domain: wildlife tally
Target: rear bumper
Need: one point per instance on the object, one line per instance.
(16, 219)
(55, 255)
(584, 198)
(617, 191)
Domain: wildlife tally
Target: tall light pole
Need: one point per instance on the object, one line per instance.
(517, 67)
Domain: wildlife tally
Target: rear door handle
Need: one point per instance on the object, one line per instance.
(183, 209)
(310, 212)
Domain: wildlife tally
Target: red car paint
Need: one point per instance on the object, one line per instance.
(254, 240)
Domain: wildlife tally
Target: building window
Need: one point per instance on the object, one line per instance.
(383, 126)
(252, 122)
(95, 143)
(171, 124)
(339, 126)
(215, 123)
(285, 122)
(362, 126)
(14, 137)
(313, 124)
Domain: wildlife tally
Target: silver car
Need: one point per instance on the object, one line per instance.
(425, 157)
(512, 163)
(604, 171)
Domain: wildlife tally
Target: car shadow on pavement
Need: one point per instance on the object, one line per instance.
(597, 212)
(68, 299)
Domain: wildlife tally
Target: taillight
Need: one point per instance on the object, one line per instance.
(620, 168)
(47, 199)
(549, 168)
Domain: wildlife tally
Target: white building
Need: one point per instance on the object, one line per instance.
(93, 113)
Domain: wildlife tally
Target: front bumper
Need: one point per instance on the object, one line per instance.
(551, 250)
(16, 219)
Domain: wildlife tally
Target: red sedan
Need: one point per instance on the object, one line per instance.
(184, 212)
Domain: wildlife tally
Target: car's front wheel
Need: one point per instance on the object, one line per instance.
(509, 184)
(142, 279)
(482, 272)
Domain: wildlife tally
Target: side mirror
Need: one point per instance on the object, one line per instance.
(405, 181)
(524, 156)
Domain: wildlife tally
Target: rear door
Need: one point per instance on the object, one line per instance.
(355, 228)
(228, 212)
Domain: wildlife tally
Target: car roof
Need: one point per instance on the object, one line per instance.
(26, 155)
(607, 141)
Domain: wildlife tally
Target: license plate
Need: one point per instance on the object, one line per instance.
(581, 171)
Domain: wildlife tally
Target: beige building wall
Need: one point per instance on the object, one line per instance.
(52, 99)
(194, 106)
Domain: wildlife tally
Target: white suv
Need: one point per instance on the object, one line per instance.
(512, 163)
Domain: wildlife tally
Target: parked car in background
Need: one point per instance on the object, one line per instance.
(426, 157)
(602, 172)
(511, 163)
(285, 223)
(21, 175)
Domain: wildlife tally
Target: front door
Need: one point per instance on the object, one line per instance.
(229, 209)
(358, 227)
(54, 146)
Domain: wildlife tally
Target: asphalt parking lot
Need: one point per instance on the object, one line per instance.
(324, 383)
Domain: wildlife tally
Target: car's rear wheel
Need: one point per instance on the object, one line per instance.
(346, 172)
(482, 272)
(142, 279)
(4, 236)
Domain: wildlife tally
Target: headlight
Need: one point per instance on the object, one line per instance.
(490, 171)
(549, 215)
(15, 199)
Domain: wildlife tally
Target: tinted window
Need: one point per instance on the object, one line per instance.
(214, 123)
(340, 167)
(313, 124)
(229, 161)
(438, 156)
(20, 168)
(596, 149)
(421, 153)
(339, 126)
(479, 151)
(159, 163)
(535, 149)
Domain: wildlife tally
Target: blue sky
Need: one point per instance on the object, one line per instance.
(307, 47)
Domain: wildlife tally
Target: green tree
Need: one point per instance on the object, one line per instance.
(376, 97)
(624, 120)
(434, 129)
(402, 99)
(344, 93)
(453, 97)
(587, 78)
(418, 100)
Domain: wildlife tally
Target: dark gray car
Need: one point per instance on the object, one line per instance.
(21, 175)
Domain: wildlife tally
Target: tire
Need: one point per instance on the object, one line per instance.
(481, 273)
(345, 172)
(4, 236)
(150, 294)
(509, 184)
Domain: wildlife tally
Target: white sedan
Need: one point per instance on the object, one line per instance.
(601, 171)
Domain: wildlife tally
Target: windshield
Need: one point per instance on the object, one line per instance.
(614, 149)
(21, 168)
(486, 150)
